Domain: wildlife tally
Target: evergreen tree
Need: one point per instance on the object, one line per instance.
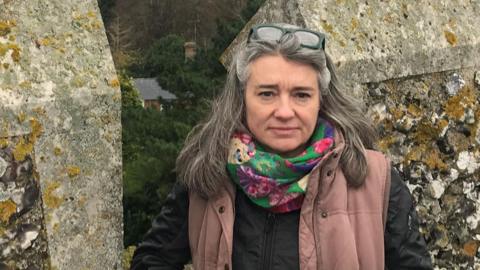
(152, 139)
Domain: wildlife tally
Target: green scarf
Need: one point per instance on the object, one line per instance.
(270, 181)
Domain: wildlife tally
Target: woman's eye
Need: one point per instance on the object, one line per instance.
(266, 94)
(302, 95)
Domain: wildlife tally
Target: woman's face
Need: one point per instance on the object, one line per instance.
(282, 103)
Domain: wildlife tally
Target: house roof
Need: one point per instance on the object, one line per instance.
(150, 89)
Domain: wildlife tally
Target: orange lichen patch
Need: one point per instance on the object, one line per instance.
(327, 27)
(425, 132)
(3, 142)
(57, 151)
(55, 227)
(36, 129)
(22, 149)
(354, 24)
(73, 171)
(25, 145)
(88, 21)
(455, 105)
(442, 124)
(7, 209)
(414, 110)
(451, 37)
(44, 41)
(385, 143)
(6, 47)
(25, 85)
(397, 113)
(476, 126)
(415, 154)
(114, 82)
(21, 117)
(434, 161)
(49, 198)
(6, 27)
(470, 248)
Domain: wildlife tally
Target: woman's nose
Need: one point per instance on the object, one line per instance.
(284, 109)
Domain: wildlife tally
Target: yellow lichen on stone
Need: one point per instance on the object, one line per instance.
(476, 126)
(397, 113)
(114, 82)
(354, 24)
(21, 117)
(455, 106)
(3, 142)
(25, 85)
(73, 171)
(414, 110)
(57, 151)
(327, 27)
(49, 198)
(451, 37)
(415, 154)
(385, 143)
(442, 123)
(6, 27)
(128, 256)
(426, 132)
(88, 21)
(55, 227)
(25, 146)
(7, 209)
(434, 161)
(46, 41)
(22, 149)
(36, 129)
(6, 47)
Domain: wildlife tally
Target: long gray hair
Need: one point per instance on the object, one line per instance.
(201, 164)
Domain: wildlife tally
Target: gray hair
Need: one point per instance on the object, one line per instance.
(201, 164)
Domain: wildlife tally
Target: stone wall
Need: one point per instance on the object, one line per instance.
(60, 138)
(430, 127)
(417, 67)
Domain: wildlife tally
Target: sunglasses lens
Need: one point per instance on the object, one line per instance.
(307, 38)
(269, 33)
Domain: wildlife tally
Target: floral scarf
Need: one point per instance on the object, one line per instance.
(270, 181)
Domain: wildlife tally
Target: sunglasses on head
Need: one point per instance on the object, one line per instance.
(308, 38)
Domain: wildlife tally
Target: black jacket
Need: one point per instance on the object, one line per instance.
(263, 240)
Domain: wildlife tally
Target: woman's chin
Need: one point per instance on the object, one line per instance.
(289, 151)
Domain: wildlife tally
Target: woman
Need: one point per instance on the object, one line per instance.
(279, 176)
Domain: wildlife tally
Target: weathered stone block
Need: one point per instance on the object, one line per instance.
(60, 138)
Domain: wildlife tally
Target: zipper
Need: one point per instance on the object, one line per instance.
(269, 237)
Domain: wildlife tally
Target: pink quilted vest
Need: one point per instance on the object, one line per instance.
(341, 228)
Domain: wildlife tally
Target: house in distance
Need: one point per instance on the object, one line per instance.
(152, 93)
